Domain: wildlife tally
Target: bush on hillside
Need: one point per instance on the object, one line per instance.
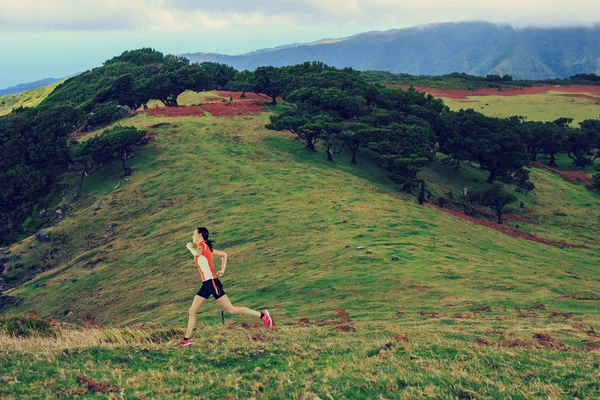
(596, 178)
(105, 113)
(26, 326)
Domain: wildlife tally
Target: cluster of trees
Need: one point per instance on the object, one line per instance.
(339, 108)
(134, 78)
(33, 151)
(498, 78)
(581, 144)
(116, 143)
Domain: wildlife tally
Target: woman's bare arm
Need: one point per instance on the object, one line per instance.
(223, 256)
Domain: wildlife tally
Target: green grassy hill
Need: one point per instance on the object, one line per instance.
(292, 224)
(28, 98)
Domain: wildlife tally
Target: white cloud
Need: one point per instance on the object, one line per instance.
(26, 15)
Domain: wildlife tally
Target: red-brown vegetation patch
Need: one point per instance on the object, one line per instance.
(545, 340)
(342, 315)
(515, 343)
(94, 386)
(400, 338)
(483, 308)
(592, 346)
(515, 232)
(186, 111)
(237, 96)
(527, 314)
(399, 313)
(345, 328)
(261, 337)
(252, 326)
(302, 322)
(325, 322)
(89, 322)
(241, 108)
(578, 297)
(565, 315)
(431, 314)
(583, 96)
(590, 332)
(484, 342)
(571, 176)
(538, 306)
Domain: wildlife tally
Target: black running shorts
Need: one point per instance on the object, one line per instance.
(212, 286)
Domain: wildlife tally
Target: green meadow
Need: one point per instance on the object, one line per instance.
(536, 107)
(439, 307)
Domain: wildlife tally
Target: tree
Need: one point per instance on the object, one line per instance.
(541, 137)
(120, 142)
(495, 143)
(96, 151)
(403, 150)
(293, 120)
(242, 82)
(495, 197)
(353, 135)
(579, 145)
(591, 127)
(325, 127)
(220, 74)
(271, 81)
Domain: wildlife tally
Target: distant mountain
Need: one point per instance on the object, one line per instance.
(477, 48)
(28, 86)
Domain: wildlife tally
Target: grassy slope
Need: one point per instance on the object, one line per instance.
(28, 98)
(536, 107)
(440, 360)
(291, 223)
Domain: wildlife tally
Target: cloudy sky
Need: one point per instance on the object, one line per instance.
(55, 38)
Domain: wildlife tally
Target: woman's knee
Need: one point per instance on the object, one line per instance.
(233, 310)
(193, 312)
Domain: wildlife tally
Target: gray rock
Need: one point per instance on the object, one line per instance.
(123, 112)
(58, 216)
(4, 258)
(43, 236)
(43, 214)
(144, 141)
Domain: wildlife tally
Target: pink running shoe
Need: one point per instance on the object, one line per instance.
(266, 318)
(184, 342)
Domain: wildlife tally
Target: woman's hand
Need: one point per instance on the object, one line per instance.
(220, 274)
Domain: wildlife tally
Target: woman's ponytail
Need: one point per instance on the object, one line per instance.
(204, 232)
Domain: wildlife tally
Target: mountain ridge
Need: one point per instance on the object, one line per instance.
(477, 48)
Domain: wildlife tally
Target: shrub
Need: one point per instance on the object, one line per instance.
(26, 326)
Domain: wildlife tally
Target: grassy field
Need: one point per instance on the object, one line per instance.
(293, 225)
(403, 358)
(536, 107)
(28, 98)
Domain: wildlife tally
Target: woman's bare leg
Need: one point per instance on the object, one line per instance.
(198, 302)
(230, 308)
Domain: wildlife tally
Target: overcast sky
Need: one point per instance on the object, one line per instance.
(55, 38)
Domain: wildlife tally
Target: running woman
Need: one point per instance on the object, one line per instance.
(203, 252)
